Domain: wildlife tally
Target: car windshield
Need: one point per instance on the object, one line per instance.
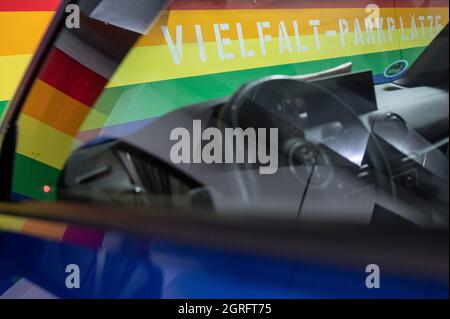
(313, 109)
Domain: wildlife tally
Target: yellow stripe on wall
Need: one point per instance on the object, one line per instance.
(155, 63)
(12, 68)
(10, 223)
(44, 143)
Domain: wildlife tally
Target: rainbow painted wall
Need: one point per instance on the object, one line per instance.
(22, 24)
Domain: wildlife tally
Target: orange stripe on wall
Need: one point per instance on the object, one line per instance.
(45, 229)
(56, 109)
(21, 32)
(329, 20)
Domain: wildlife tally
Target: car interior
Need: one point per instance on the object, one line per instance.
(349, 150)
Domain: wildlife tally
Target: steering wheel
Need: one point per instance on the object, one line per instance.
(299, 110)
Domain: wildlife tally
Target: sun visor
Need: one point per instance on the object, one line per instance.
(133, 15)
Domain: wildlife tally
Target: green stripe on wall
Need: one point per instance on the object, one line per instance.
(3, 105)
(30, 176)
(411, 55)
(142, 101)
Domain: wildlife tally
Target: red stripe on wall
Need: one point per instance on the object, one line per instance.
(280, 4)
(29, 5)
(52, 5)
(72, 78)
